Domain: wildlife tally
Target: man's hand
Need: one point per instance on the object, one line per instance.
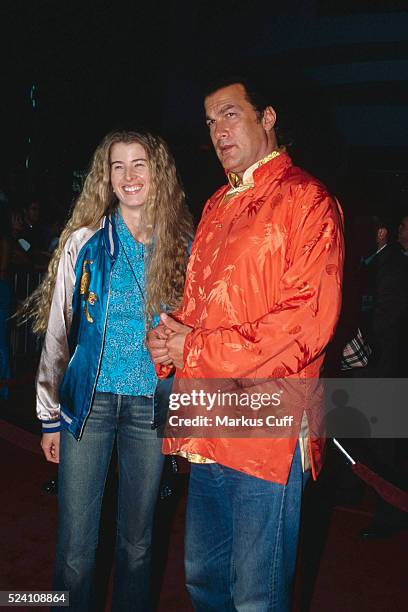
(50, 443)
(156, 340)
(176, 336)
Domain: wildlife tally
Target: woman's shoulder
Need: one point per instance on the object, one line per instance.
(79, 238)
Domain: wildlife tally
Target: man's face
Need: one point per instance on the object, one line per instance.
(239, 136)
(403, 233)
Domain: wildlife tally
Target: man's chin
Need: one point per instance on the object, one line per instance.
(227, 161)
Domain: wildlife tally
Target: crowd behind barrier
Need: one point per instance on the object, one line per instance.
(26, 246)
(22, 341)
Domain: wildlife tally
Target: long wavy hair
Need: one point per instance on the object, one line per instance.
(166, 220)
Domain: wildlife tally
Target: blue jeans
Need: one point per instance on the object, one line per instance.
(241, 539)
(82, 475)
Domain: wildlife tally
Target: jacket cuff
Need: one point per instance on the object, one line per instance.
(51, 426)
(163, 371)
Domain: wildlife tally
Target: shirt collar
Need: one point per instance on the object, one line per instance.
(125, 237)
(369, 259)
(237, 185)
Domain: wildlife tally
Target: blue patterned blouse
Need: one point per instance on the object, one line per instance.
(126, 366)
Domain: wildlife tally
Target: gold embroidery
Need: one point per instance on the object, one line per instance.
(234, 179)
(90, 297)
(85, 278)
(193, 457)
(239, 185)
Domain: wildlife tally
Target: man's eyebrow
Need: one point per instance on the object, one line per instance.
(226, 107)
(120, 161)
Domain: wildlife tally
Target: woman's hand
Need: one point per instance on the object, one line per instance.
(156, 343)
(50, 444)
(176, 336)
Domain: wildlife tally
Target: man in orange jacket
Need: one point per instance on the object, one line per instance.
(261, 301)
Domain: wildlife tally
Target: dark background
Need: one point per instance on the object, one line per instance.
(337, 73)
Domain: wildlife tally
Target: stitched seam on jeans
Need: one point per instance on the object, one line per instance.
(273, 582)
(232, 576)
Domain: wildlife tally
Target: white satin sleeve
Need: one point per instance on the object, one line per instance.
(55, 353)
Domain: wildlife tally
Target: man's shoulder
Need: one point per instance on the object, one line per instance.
(392, 255)
(306, 194)
(218, 193)
(294, 176)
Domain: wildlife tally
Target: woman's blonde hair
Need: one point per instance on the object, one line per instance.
(165, 216)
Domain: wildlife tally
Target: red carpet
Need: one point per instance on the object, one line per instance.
(27, 519)
(357, 576)
(353, 576)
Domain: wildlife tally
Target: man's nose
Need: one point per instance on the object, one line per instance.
(220, 130)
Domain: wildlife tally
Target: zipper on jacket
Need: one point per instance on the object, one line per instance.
(100, 356)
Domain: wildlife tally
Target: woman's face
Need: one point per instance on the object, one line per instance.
(129, 174)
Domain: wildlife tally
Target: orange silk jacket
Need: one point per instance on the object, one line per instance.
(263, 295)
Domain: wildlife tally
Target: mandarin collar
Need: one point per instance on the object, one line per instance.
(248, 179)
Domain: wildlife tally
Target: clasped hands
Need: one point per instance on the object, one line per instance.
(166, 341)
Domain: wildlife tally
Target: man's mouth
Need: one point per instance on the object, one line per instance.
(225, 148)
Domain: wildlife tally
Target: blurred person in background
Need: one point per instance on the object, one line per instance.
(403, 234)
(32, 230)
(33, 235)
(5, 293)
(383, 320)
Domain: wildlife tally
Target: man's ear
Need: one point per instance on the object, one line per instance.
(268, 118)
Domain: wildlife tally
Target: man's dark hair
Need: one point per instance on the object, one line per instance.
(255, 94)
(383, 222)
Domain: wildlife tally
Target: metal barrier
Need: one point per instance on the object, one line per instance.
(23, 342)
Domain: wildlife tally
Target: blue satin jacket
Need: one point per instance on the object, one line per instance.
(85, 326)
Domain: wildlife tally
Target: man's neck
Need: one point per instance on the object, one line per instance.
(246, 178)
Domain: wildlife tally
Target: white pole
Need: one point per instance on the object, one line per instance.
(343, 450)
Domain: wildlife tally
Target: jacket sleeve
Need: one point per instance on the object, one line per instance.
(55, 352)
(298, 327)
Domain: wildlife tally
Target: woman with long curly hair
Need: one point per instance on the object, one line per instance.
(121, 258)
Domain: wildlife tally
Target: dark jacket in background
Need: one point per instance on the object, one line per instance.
(384, 311)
